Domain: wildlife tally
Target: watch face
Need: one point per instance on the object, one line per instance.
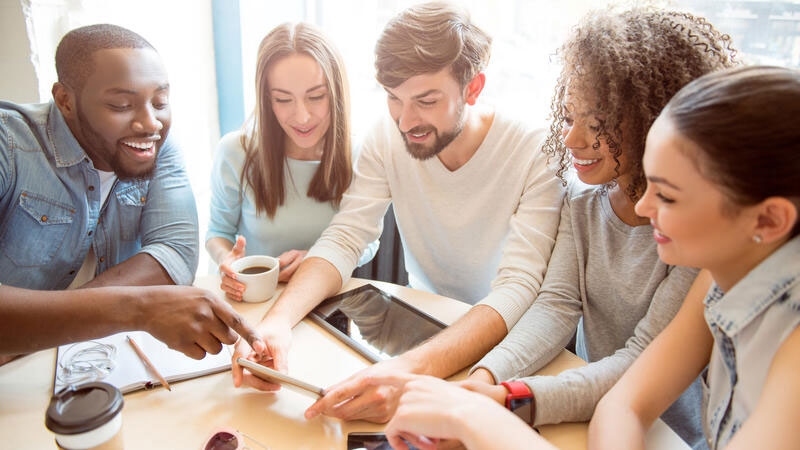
(522, 408)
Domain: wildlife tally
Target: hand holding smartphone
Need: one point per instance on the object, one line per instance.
(273, 376)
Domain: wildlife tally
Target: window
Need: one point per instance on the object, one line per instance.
(519, 78)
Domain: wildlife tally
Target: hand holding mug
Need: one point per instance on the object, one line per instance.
(259, 275)
(228, 281)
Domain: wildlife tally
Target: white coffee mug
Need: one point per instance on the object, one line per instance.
(259, 274)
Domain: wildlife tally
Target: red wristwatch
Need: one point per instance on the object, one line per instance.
(520, 401)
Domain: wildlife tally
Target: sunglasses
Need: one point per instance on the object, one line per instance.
(230, 439)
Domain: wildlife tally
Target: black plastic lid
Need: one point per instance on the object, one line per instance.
(82, 408)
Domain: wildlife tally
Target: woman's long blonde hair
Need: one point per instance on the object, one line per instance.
(263, 138)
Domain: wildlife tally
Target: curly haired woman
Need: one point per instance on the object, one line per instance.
(605, 283)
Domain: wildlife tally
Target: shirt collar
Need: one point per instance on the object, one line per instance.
(760, 288)
(66, 149)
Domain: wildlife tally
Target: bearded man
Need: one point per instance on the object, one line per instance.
(476, 206)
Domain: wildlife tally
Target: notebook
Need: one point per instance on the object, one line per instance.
(113, 360)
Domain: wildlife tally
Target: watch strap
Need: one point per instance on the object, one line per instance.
(520, 400)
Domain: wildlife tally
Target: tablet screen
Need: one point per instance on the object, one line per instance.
(374, 323)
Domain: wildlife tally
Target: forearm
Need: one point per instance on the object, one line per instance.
(500, 429)
(218, 247)
(537, 338)
(315, 280)
(34, 320)
(458, 345)
(572, 395)
(616, 426)
(139, 270)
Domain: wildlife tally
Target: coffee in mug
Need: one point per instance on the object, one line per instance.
(254, 270)
(86, 416)
(259, 274)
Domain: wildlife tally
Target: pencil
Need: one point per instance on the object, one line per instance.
(147, 364)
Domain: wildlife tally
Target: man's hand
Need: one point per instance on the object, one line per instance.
(228, 283)
(290, 261)
(191, 320)
(276, 335)
(360, 397)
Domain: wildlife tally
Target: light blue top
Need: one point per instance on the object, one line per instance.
(749, 324)
(50, 210)
(297, 223)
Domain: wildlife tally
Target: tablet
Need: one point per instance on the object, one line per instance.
(374, 323)
(273, 376)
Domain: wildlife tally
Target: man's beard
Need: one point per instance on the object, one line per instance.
(98, 146)
(440, 142)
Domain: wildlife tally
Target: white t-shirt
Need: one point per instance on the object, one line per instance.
(89, 266)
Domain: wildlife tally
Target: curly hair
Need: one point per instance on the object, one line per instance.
(632, 62)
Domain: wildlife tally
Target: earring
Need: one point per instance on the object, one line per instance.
(757, 238)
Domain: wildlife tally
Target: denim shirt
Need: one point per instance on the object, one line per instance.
(50, 211)
(749, 324)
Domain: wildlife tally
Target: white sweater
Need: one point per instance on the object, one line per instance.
(483, 232)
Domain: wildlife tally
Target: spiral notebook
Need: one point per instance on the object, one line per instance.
(113, 360)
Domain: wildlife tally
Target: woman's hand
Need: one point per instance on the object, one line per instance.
(290, 261)
(276, 334)
(228, 283)
(496, 392)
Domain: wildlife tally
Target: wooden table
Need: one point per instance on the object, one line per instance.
(184, 417)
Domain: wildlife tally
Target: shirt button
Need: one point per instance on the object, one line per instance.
(101, 259)
(72, 272)
(91, 188)
(143, 199)
(44, 218)
(90, 232)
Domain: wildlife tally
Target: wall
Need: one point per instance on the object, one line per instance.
(19, 82)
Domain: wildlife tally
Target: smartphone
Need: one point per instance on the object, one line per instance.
(370, 441)
(273, 376)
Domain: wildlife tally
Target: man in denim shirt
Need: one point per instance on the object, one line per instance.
(94, 194)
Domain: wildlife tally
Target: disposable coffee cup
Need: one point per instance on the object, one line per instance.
(86, 416)
(259, 274)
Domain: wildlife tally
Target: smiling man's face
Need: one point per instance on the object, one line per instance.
(429, 112)
(122, 115)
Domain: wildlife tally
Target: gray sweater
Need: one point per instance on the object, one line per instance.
(604, 280)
